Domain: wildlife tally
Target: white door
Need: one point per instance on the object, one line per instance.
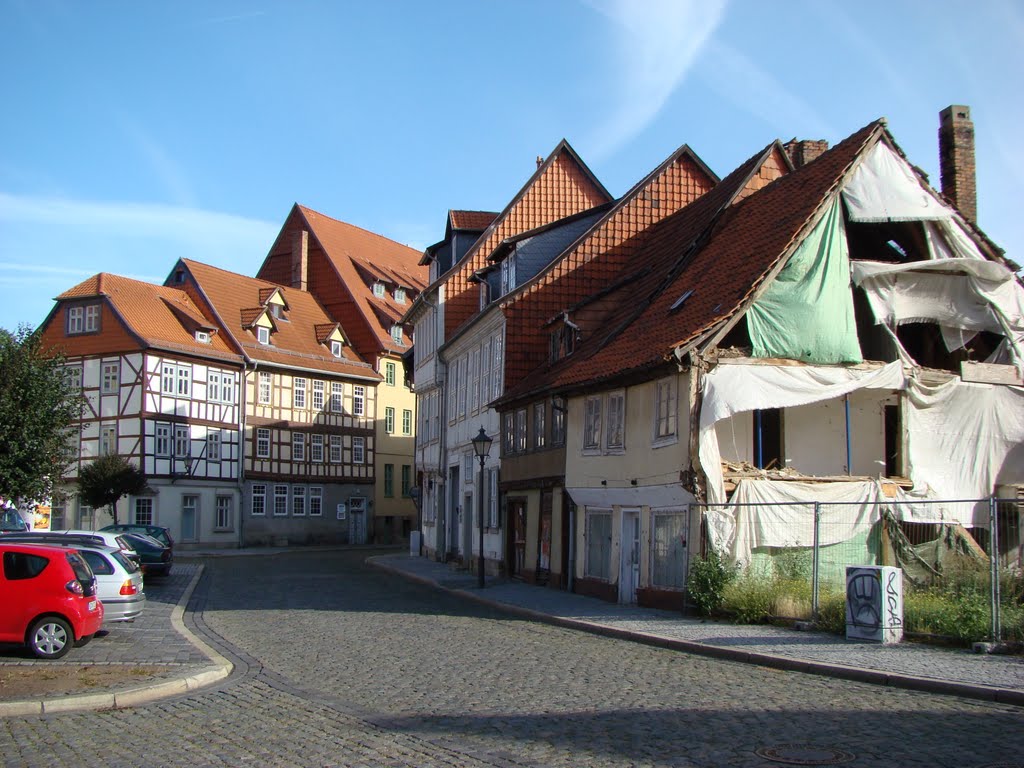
(629, 550)
(356, 520)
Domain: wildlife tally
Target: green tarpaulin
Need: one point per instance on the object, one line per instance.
(807, 311)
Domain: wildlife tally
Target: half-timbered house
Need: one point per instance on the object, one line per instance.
(309, 404)
(160, 386)
(366, 282)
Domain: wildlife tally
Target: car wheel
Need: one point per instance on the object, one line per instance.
(50, 638)
(83, 641)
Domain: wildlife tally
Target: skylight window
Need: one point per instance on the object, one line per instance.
(680, 301)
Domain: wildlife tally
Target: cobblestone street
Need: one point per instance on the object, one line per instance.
(340, 664)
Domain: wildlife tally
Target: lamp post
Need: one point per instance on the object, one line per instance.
(482, 447)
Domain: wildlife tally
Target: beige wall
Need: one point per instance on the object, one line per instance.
(395, 448)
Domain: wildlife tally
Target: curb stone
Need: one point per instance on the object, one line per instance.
(141, 694)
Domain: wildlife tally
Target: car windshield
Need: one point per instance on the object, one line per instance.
(146, 541)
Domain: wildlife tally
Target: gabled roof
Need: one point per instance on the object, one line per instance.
(297, 340)
(561, 186)
(595, 259)
(698, 267)
(476, 221)
(357, 258)
(157, 316)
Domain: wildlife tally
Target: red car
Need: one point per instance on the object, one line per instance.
(49, 599)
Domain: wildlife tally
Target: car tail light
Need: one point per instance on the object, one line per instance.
(166, 555)
(128, 588)
(75, 587)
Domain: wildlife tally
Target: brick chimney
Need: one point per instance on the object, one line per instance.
(300, 260)
(956, 159)
(803, 151)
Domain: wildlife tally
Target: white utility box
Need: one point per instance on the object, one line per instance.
(874, 603)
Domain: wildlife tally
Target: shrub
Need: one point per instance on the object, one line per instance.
(832, 611)
(960, 614)
(706, 582)
(750, 598)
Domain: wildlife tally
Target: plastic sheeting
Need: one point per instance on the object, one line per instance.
(806, 312)
(784, 516)
(732, 389)
(885, 188)
(964, 439)
(957, 294)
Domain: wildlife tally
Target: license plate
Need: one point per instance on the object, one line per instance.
(92, 605)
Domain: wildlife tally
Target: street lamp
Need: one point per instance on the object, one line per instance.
(482, 447)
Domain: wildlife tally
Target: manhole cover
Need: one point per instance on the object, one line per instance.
(804, 754)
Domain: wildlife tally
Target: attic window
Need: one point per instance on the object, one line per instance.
(680, 301)
(378, 290)
(263, 335)
(563, 341)
(400, 295)
(179, 276)
(203, 337)
(396, 334)
(336, 348)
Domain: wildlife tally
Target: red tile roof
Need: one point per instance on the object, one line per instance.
(344, 262)
(472, 220)
(598, 256)
(721, 255)
(561, 186)
(156, 316)
(297, 340)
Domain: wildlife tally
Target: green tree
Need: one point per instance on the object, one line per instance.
(38, 414)
(105, 480)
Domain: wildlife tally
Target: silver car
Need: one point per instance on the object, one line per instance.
(119, 584)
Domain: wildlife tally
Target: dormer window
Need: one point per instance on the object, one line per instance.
(563, 340)
(336, 348)
(277, 311)
(396, 334)
(83, 319)
(263, 335)
(203, 337)
(379, 290)
(400, 295)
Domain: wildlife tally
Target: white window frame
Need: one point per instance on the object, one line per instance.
(142, 511)
(400, 295)
(474, 380)
(168, 375)
(298, 446)
(110, 380)
(316, 501)
(615, 429)
(337, 397)
(162, 440)
(262, 443)
(379, 289)
(396, 335)
(666, 410)
(258, 505)
(358, 450)
(334, 449)
(73, 377)
(213, 445)
(389, 420)
(406, 421)
(182, 441)
(389, 374)
(224, 519)
(496, 346)
(336, 348)
(592, 423)
(539, 424)
(358, 400)
(485, 373)
(521, 428)
(264, 388)
(316, 448)
(298, 501)
(92, 318)
(559, 411)
(183, 381)
(213, 387)
(75, 321)
(298, 392)
(108, 440)
(263, 335)
(318, 395)
(280, 500)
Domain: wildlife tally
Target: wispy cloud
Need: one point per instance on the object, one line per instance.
(165, 168)
(655, 45)
(124, 219)
(738, 79)
(229, 19)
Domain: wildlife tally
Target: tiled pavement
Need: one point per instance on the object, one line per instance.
(907, 665)
(160, 638)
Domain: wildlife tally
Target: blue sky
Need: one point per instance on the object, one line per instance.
(138, 133)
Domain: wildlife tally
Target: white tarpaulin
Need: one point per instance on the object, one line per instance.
(784, 515)
(732, 389)
(963, 440)
(957, 294)
(884, 188)
(947, 240)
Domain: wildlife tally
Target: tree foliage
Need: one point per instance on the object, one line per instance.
(38, 415)
(108, 478)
